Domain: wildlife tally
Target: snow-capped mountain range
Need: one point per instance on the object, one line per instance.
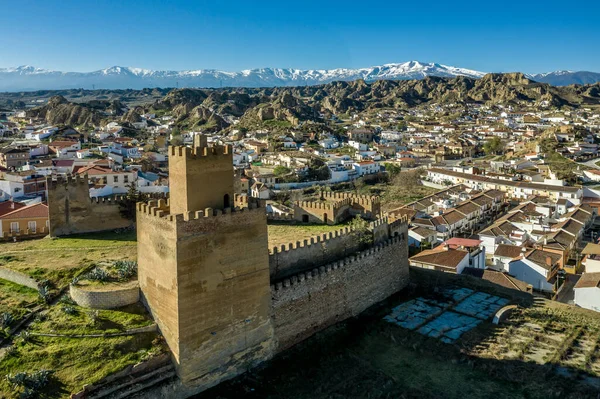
(25, 78)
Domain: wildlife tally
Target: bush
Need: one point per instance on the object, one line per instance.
(31, 383)
(44, 293)
(126, 269)
(7, 320)
(98, 274)
(70, 310)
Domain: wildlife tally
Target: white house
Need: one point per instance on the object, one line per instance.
(366, 167)
(504, 254)
(420, 236)
(536, 267)
(587, 291)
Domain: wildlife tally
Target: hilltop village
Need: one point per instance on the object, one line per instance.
(187, 254)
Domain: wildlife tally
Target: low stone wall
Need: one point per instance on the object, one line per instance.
(110, 297)
(312, 301)
(18, 278)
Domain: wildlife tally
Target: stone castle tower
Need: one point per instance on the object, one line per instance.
(204, 268)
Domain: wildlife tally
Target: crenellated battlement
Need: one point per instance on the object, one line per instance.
(343, 195)
(160, 209)
(55, 181)
(319, 239)
(200, 152)
(326, 270)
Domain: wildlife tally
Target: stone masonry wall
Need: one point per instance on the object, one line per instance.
(18, 278)
(312, 301)
(294, 258)
(89, 297)
(72, 211)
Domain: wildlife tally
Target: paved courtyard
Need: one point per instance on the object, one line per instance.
(448, 315)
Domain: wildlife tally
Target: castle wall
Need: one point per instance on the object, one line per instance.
(296, 257)
(336, 208)
(224, 298)
(311, 301)
(157, 269)
(72, 211)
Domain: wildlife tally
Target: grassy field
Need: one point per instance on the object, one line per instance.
(59, 259)
(16, 299)
(280, 234)
(75, 362)
(78, 320)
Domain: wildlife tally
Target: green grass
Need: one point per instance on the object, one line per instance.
(85, 322)
(79, 361)
(75, 362)
(58, 260)
(277, 124)
(16, 299)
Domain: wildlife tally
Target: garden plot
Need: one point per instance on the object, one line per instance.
(448, 314)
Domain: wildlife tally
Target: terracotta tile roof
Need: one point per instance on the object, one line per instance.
(444, 258)
(508, 251)
(9, 206)
(540, 257)
(500, 278)
(95, 170)
(34, 211)
(467, 208)
(463, 242)
(424, 232)
(410, 213)
(588, 280)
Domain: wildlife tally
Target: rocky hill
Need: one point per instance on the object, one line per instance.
(212, 109)
(295, 104)
(59, 111)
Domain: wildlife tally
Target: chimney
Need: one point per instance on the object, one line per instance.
(548, 261)
(12, 204)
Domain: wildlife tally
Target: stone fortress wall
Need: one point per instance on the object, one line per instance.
(72, 211)
(314, 300)
(337, 207)
(223, 302)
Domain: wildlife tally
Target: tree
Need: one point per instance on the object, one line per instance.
(360, 231)
(392, 169)
(493, 146)
(359, 184)
(128, 205)
(281, 171)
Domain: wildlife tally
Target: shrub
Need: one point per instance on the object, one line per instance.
(7, 320)
(126, 269)
(44, 293)
(70, 310)
(98, 274)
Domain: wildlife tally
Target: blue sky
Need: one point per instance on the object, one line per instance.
(492, 36)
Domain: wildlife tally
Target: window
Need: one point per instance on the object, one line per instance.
(115, 179)
(32, 226)
(126, 179)
(14, 227)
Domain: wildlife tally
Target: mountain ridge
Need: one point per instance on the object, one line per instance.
(26, 77)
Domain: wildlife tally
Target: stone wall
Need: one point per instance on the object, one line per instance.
(205, 277)
(312, 301)
(18, 278)
(293, 258)
(105, 297)
(72, 211)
